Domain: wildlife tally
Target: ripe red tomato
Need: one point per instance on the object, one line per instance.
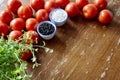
(42, 15)
(62, 3)
(90, 11)
(31, 24)
(15, 35)
(100, 4)
(72, 9)
(105, 16)
(50, 5)
(37, 4)
(6, 16)
(17, 24)
(26, 55)
(25, 12)
(3, 29)
(81, 3)
(32, 36)
(13, 5)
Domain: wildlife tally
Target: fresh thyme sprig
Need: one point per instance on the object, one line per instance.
(11, 66)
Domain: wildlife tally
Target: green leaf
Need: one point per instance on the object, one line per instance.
(17, 71)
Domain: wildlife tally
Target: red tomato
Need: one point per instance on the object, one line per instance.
(89, 11)
(17, 24)
(105, 16)
(15, 35)
(100, 4)
(81, 3)
(62, 3)
(31, 24)
(13, 5)
(6, 16)
(26, 55)
(72, 9)
(42, 15)
(3, 29)
(50, 5)
(37, 4)
(25, 12)
(32, 36)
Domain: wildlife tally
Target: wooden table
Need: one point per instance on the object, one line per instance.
(83, 50)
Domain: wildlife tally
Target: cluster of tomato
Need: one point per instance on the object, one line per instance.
(22, 17)
(90, 10)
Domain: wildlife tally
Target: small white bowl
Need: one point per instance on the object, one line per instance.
(45, 35)
(58, 16)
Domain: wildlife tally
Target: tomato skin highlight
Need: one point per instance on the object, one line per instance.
(100, 4)
(6, 16)
(17, 24)
(81, 3)
(13, 5)
(42, 15)
(32, 35)
(62, 3)
(31, 24)
(90, 11)
(4, 29)
(72, 9)
(50, 5)
(15, 35)
(105, 16)
(37, 4)
(25, 12)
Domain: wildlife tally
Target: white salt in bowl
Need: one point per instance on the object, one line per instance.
(45, 32)
(58, 16)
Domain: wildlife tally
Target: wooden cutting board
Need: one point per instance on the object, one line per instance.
(83, 50)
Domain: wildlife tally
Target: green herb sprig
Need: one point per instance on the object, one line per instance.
(11, 66)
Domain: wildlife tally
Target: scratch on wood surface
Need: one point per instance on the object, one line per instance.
(88, 63)
(82, 53)
(71, 71)
(74, 47)
(118, 12)
(104, 27)
(110, 2)
(106, 68)
(110, 56)
(104, 35)
(86, 38)
(63, 61)
(62, 75)
(104, 73)
(118, 43)
(93, 26)
(86, 72)
(112, 49)
(92, 45)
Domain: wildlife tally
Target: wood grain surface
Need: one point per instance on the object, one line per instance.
(83, 50)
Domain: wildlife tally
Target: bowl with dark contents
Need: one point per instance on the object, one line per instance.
(58, 16)
(46, 29)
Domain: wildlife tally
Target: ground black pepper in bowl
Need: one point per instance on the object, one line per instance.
(46, 29)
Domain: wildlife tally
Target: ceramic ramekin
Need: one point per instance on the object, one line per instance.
(58, 16)
(49, 36)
